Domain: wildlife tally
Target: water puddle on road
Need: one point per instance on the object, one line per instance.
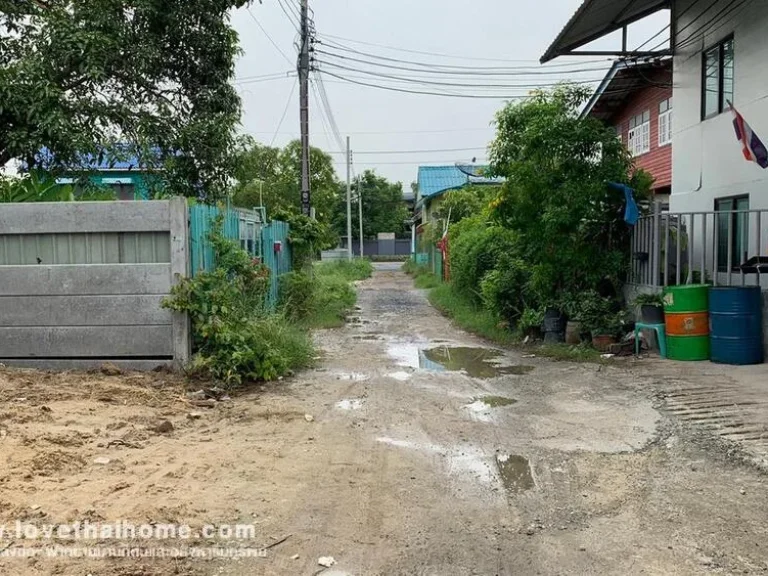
(475, 362)
(515, 472)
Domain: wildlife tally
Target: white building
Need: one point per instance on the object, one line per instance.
(720, 55)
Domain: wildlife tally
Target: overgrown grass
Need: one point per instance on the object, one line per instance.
(423, 277)
(481, 322)
(468, 316)
(333, 295)
(351, 271)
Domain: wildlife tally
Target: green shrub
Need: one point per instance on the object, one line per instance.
(503, 290)
(468, 315)
(297, 295)
(234, 337)
(475, 249)
(529, 319)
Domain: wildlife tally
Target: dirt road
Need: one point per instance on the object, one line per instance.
(412, 449)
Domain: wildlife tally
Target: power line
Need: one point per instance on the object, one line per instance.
(258, 79)
(285, 113)
(248, 9)
(368, 152)
(450, 162)
(383, 132)
(406, 91)
(445, 69)
(453, 84)
(712, 24)
(456, 57)
(293, 17)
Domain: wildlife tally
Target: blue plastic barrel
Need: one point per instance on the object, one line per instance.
(736, 325)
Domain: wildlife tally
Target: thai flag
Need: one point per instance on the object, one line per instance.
(754, 150)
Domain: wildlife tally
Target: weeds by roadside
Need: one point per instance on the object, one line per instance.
(322, 296)
(423, 277)
(481, 322)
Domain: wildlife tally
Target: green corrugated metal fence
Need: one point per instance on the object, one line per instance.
(201, 219)
(277, 255)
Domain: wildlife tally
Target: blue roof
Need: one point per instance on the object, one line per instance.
(117, 159)
(434, 180)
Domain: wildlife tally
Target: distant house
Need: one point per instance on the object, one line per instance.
(636, 100)
(125, 175)
(434, 181)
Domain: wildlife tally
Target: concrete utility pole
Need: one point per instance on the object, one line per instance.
(360, 210)
(349, 202)
(303, 69)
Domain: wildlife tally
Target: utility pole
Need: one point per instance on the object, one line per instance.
(303, 69)
(349, 202)
(360, 210)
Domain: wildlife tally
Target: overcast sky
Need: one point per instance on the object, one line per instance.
(379, 120)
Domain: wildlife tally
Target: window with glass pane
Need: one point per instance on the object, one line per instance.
(734, 225)
(717, 81)
(727, 73)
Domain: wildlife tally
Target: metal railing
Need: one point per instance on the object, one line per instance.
(724, 248)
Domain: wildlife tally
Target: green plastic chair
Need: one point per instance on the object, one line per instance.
(661, 336)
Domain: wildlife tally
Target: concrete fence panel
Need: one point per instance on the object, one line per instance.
(82, 283)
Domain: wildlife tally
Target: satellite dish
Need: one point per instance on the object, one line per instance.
(471, 169)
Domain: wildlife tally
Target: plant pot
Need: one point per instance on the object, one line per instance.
(554, 325)
(573, 333)
(652, 313)
(602, 342)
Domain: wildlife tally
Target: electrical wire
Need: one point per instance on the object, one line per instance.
(459, 72)
(285, 113)
(437, 54)
(405, 91)
(715, 23)
(293, 18)
(477, 70)
(452, 84)
(369, 152)
(693, 21)
(265, 78)
(328, 110)
(248, 9)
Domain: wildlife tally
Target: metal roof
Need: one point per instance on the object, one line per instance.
(621, 81)
(435, 180)
(596, 18)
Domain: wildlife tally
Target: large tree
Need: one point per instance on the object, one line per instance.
(272, 176)
(96, 78)
(384, 208)
(568, 220)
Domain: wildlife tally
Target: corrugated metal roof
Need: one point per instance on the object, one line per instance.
(435, 179)
(620, 83)
(596, 18)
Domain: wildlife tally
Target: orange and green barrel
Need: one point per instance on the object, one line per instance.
(686, 313)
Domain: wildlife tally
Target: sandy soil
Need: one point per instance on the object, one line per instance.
(385, 460)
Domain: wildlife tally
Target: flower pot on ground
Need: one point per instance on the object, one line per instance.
(554, 325)
(573, 332)
(652, 314)
(651, 308)
(602, 342)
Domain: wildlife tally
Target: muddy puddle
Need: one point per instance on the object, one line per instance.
(475, 362)
(515, 472)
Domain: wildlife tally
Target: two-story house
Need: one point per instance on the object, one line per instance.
(719, 50)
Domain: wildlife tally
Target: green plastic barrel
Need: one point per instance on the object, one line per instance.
(691, 299)
(688, 348)
(687, 298)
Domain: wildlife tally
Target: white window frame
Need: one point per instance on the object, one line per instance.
(639, 135)
(665, 122)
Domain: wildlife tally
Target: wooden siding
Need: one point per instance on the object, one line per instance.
(658, 162)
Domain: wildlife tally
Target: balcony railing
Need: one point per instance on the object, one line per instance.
(725, 248)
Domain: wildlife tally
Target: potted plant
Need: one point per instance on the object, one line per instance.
(608, 330)
(651, 308)
(530, 323)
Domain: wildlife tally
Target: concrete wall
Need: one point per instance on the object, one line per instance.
(707, 161)
(81, 283)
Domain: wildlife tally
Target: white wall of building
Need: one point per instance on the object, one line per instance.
(707, 162)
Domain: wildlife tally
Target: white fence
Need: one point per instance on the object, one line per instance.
(725, 248)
